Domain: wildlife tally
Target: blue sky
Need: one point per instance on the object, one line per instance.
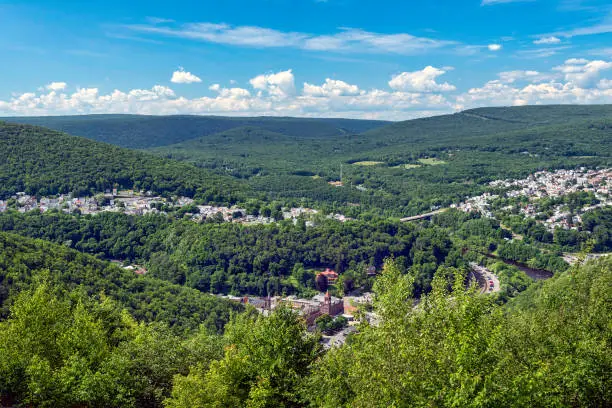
(352, 58)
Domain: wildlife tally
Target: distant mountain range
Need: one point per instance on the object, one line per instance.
(401, 168)
(141, 132)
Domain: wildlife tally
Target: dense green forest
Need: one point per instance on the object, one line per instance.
(140, 131)
(25, 263)
(549, 346)
(407, 167)
(396, 170)
(44, 162)
(279, 258)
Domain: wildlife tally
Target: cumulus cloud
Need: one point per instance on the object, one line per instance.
(56, 86)
(408, 95)
(280, 84)
(331, 87)
(577, 81)
(547, 40)
(582, 72)
(183, 77)
(270, 94)
(494, 47)
(421, 81)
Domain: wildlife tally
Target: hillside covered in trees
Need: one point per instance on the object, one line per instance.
(66, 346)
(396, 170)
(407, 167)
(77, 330)
(26, 263)
(281, 258)
(40, 161)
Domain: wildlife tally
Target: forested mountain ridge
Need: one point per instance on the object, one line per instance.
(408, 167)
(491, 120)
(141, 131)
(46, 162)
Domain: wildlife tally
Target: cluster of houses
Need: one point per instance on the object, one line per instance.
(558, 183)
(548, 184)
(128, 202)
(142, 203)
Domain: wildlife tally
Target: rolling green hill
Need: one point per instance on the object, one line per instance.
(418, 163)
(42, 161)
(139, 132)
(413, 165)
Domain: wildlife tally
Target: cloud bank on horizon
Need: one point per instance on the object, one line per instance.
(407, 95)
(311, 58)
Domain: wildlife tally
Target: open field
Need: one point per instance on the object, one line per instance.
(368, 163)
(432, 161)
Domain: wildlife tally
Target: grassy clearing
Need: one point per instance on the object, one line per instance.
(432, 161)
(407, 166)
(368, 163)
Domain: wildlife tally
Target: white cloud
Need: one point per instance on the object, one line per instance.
(183, 77)
(408, 95)
(577, 81)
(281, 84)
(331, 87)
(547, 40)
(494, 47)
(271, 94)
(420, 81)
(605, 84)
(344, 40)
(508, 77)
(583, 72)
(56, 86)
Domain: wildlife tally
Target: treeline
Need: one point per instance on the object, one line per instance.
(550, 346)
(142, 131)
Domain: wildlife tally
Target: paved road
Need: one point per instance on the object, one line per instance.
(487, 277)
(339, 338)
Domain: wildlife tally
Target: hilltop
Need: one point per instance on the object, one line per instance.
(45, 162)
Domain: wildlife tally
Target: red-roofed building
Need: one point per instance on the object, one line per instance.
(331, 275)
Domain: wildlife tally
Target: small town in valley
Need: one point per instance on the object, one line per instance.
(542, 185)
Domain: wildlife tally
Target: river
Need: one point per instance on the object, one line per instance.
(535, 274)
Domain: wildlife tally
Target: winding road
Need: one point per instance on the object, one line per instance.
(487, 280)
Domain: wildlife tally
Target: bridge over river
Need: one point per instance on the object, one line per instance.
(423, 216)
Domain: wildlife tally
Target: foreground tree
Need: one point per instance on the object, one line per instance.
(264, 363)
